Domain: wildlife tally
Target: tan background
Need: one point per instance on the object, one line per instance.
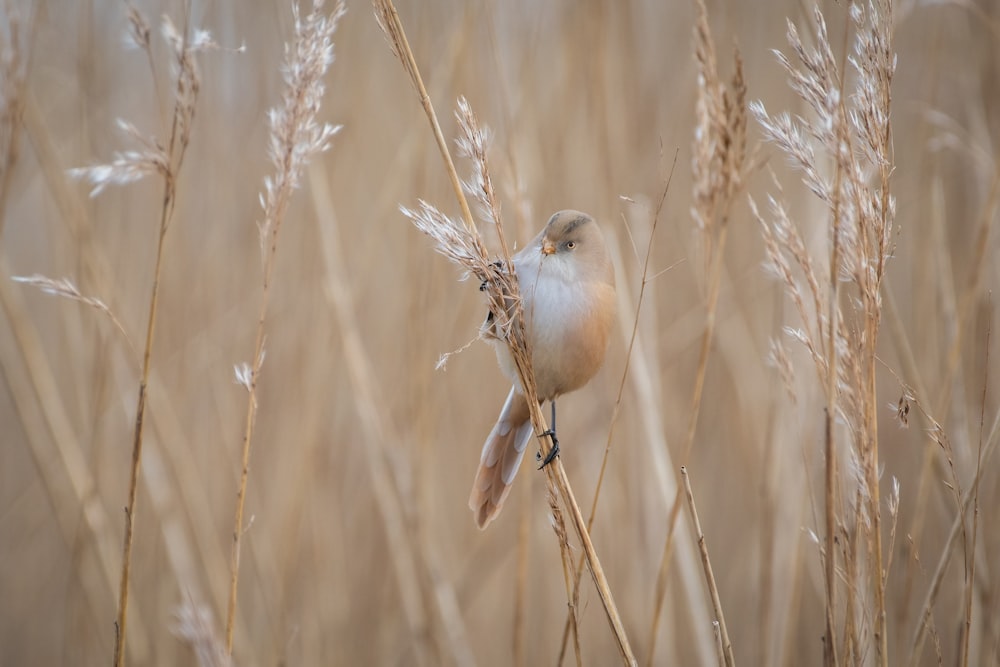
(589, 101)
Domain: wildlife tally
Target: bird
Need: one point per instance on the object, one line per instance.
(567, 286)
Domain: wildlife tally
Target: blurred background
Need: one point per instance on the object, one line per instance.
(360, 547)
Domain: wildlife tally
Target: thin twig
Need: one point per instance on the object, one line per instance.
(917, 645)
(186, 90)
(971, 568)
(829, 437)
(559, 527)
(727, 646)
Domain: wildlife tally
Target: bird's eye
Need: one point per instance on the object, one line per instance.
(570, 245)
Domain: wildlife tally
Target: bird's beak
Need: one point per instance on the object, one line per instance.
(548, 247)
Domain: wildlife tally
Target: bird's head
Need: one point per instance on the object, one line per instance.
(574, 241)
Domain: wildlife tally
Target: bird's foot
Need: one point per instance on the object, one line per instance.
(554, 452)
(497, 266)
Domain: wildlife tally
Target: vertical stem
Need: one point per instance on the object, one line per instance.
(829, 440)
(166, 213)
(829, 563)
(874, 319)
(278, 215)
(727, 646)
(970, 577)
(521, 585)
(607, 599)
(876, 510)
(140, 417)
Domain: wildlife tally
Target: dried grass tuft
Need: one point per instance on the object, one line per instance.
(849, 127)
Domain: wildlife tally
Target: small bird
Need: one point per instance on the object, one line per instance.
(567, 285)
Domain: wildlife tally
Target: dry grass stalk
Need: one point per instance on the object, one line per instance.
(925, 623)
(719, 648)
(151, 158)
(970, 577)
(727, 646)
(295, 137)
(462, 244)
(572, 583)
(853, 132)
(718, 168)
(853, 646)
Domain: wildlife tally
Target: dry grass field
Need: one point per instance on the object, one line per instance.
(357, 547)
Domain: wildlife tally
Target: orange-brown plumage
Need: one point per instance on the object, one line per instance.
(567, 285)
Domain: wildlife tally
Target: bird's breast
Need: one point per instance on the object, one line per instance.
(568, 326)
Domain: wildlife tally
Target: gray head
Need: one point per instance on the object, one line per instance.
(572, 235)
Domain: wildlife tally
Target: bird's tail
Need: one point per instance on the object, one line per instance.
(501, 458)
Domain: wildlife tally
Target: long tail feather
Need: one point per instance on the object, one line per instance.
(501, 458)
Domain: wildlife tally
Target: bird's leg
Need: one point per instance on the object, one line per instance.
(554, 452)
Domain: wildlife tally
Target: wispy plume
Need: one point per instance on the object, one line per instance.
(153, 156)
(126, 166)
(67, 289)
(296, 136)
(296, 132)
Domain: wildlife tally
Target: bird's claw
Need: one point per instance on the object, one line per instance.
(497, 266)
(554, 452)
